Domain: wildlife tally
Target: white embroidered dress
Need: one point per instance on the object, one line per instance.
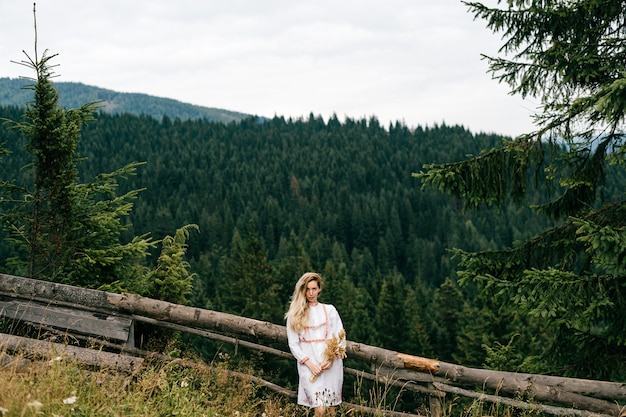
(310, 343)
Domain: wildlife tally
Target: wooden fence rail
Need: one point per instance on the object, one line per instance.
(549, 394)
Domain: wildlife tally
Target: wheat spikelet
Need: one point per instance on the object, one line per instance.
(335, 349)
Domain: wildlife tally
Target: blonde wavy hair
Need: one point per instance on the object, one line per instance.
(298, 313)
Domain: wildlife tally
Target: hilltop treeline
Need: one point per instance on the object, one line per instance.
(275, 198)
(73, 95)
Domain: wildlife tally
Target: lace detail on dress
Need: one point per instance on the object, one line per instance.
(314, 327)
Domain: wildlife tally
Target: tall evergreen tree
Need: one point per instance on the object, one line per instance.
(48, 209)
(447, 307)
(390, 318)
(416, 304)
(292, 262)
(355, 306)
(69, 232)
(571, 56)
(248, 285)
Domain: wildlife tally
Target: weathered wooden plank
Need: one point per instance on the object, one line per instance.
(65, 319)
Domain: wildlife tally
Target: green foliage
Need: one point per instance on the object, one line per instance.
(42, 219)
(355, 305)
(302, 195)
(171, 280)
(418, 339)
(571, 54)
(390, 311)
(291, 259)
(249, 287)
(489, 178)
(448, 305)
(273, 198)
(569, 277)
(98, 257)
(65, 231)
(499, 357)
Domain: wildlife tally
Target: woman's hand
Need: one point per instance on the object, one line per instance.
(326, 365)
(313, 367)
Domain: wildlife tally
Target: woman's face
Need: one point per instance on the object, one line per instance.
(312, 291)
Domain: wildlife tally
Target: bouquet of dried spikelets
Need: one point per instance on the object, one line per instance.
(335, 349)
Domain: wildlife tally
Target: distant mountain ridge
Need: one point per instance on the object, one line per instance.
(73, 95)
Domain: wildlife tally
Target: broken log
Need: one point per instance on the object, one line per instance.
(50, 350)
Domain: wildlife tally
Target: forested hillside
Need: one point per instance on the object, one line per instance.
(276, 198)
(74, 95)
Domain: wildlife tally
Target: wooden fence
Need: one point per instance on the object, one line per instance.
(84, 313)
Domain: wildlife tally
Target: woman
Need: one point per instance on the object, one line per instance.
(310, 326)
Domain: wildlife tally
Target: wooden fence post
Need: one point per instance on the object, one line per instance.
(436, 408)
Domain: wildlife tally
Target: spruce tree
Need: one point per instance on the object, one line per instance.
(71, 232)
(570, 56)
(447, 308)
(42, 224)
(389, 316)
(67, 231)
(171, 279)
(248, 286)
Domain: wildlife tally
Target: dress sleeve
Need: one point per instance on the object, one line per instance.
(334, 319)
(294, 344)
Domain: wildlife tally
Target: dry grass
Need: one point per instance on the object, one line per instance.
(57, 387)
(61, 388)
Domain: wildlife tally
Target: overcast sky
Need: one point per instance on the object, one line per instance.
(414, 61)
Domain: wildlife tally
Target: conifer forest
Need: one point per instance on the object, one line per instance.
(277, 198)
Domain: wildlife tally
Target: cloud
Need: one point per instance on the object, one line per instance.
(417, 61)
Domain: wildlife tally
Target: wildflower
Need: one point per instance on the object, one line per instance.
(70, 400)
(34, 404)
(184, 383)
(57, 359)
